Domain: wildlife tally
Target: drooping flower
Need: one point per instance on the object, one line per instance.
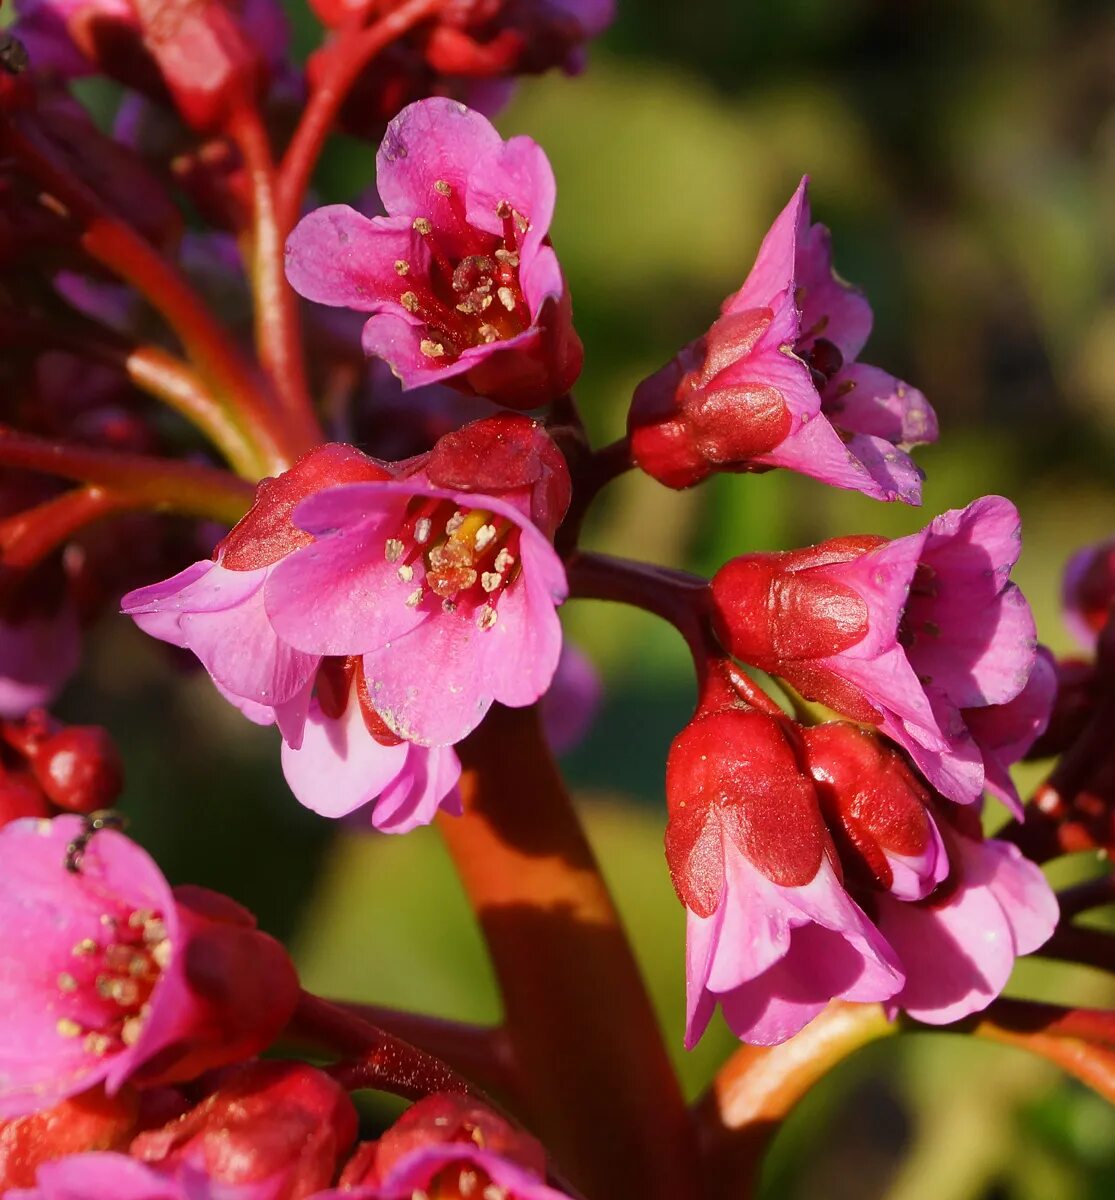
(772, 935)
(924, 636)
(956, 908)
(445, 581)
(776, 382)
(459, 277)
(337, 755)
(108, 976)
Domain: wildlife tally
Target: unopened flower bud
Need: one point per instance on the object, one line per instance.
(1088, 590)
(285, 1125)
(79, 768)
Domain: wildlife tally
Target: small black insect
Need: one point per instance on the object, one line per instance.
(92, 824)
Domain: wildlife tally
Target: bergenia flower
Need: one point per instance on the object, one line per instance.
(1087, 590)
(957, 909)
(337, 754)
(95, 1175)
(460, 277)
(776, 382)
(771, 935)
(924, 636)
(108, 976)
(959, 947)
(445, 581)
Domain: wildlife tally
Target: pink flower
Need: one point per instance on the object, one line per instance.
(95, 1176)
(459, 276)
(924, 636)
(336, 756)
(445, 581)
(772, 936)
(956, 909)
(958, 947)
(775, 382)
(573, 702)
(39, 651)
(108, 976)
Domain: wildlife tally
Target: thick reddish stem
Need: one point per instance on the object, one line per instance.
(28, 537)
(478, 1052)
(597, 1082)
(376, 1058)
(155, 483)
(759, 1086)
(350, 52)
(277, 318)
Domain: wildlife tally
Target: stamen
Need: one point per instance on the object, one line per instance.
(409, 301)
(422, 226)
(485, 536)
(415, 598)
(68, 1028)
(402, 267)
(455, 522)
(406, 573)
(443, 188)
(66, 982)
(504, 559)
(422, 529)
(506, 298)
(393, 550)
(431, 349)
(486, 617)
(490, 580)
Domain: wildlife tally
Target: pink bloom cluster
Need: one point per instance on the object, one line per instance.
(776, 382)
(374, 612)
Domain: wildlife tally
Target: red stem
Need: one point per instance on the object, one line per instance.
(277, 316)
(477, 1052)
(145, 482)
(378, 1059)
(117, 246)
(28, 537)
(597, 1082)
(349, 53)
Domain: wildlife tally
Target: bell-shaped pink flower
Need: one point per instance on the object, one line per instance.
(772, 936)
(959, 946)
(460, 277)
(108, 976)
(915, 636)
(775, 382)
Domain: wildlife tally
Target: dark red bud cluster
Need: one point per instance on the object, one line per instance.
(698, 415)
(46, 766)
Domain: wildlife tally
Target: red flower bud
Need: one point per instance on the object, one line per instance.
(79, 768)
(875, 806)
(696, 415)
(439, 1121)
(736, 774)
(89, 1121)
(281, 1123)
(21, 796)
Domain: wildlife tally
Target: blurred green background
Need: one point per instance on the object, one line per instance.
(963, 154)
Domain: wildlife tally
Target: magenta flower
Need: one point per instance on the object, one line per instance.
(94, 1176)
(573, 702)
(459, 276)
(924, 636)
(337, 756)
(775, 382)
(39, 651)
(771, 935)
(107, 976)
(958, 948)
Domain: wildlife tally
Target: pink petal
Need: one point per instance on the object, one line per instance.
(427, 783)
(96, 1176)
(775, 264)
(863, 399)
(895, 475)
(830, 308)
(1029, 904)
(339, 766)
(338, 257)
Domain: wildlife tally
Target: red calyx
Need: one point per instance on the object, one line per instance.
(76, 767)
(89, 1121)
(504, 453)
(736, 774)
(281, 1122)
(437, 1121)
(872, 800)
(266, 533)
(769, 611)
(700, 413)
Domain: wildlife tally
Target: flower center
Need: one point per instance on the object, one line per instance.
(472, 295)
(467, 556)
(107, 987)
(462, 1183)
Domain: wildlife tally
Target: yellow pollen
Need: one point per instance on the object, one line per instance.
(139, 918)
(68, 1028)
(130, 1030)
(490, 580)
(406, 573)
(66, 982)
(486, 617)
(393, 550)
(415, 598)
(507, 298)
(154, 931)
(443, 188)
(97, 1043)
(409, 301)
(162, 954)
(509, 257)
(488, 334)
(402, 267)
(431, 349)
(423, 226)
(84, 948)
